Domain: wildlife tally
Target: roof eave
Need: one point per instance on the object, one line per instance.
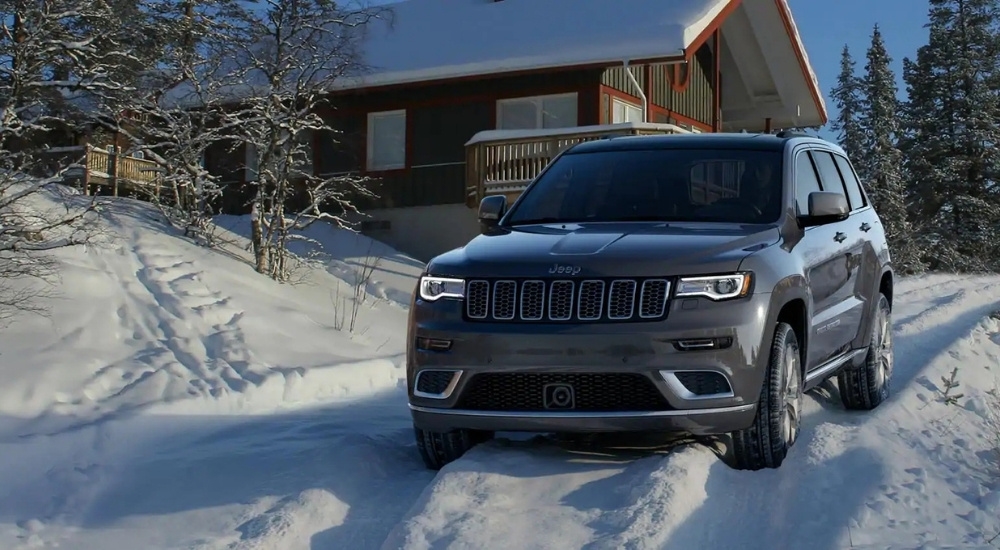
(419, 78)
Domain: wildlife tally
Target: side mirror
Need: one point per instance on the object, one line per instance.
(491, 209)
(825, 207)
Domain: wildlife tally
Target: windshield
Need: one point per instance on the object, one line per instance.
(670, 185)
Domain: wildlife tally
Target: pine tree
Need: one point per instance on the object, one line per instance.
(846, 96)
(952, 121)
(878, 125)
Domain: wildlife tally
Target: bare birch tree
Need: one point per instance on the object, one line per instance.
(58, 66)
(290, 57)
(179, 100)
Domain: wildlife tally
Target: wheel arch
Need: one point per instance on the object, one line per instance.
(790, 302)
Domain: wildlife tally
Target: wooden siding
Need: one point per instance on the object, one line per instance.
(341, 151)
(226, 160)
(440, 132)
(693, 100)
(616, 78)
(421, 186)
(440, 120)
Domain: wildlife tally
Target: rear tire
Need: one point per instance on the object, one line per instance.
(779, 411)
(867, 387)
(441, 448)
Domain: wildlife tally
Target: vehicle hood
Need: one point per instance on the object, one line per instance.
(606, 250)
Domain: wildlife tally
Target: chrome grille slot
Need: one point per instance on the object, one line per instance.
(477, 299)
(561, 300)
(621, 300)
(591, 302)
(567, 300)
(504, 299)
(653, 302)
(532, 300)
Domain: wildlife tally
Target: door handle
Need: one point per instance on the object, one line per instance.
(840, 237)
(865, 227)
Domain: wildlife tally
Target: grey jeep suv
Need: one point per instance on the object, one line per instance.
(693, 283)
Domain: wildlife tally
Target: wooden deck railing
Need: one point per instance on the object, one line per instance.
(505, 161)
(102, 164)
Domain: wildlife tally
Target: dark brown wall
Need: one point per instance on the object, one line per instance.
(695, 100)
(440, 120)
(691, 99)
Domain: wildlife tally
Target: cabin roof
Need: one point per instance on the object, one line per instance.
(419, 40)
(426, 40)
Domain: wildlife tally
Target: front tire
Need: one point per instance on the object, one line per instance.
(867, 387)
(779, 411)
(441, 448)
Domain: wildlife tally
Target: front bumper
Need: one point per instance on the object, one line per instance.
(699, 421)
(518, 357)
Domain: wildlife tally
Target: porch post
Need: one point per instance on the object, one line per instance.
(716, 81)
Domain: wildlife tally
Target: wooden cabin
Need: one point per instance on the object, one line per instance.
(471, 97)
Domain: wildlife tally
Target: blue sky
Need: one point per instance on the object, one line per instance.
(827, 25)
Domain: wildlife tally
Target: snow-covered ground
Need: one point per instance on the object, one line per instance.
(174, 399)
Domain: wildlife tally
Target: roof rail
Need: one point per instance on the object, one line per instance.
(785, 134)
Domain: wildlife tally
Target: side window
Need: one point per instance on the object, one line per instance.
(851, 182)
(806, 182)
(828, 173)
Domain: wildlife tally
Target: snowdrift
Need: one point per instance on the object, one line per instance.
(176, 399)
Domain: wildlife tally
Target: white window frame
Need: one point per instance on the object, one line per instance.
(251, 162)
(627, 104)
(371, 140)
(537, 99)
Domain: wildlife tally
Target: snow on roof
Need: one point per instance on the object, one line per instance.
(420, 40)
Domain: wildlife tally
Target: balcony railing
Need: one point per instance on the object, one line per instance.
(106, 165)
(505, 161)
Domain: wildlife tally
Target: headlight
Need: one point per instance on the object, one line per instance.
(435, 288)
(716, 287)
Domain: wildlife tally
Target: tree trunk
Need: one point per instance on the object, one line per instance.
(257, 236)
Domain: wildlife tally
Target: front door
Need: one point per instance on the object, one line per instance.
(831, 271)
(851, 301)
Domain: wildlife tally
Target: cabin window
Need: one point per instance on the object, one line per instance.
(387, 140)
(623, 111)
(533, 113)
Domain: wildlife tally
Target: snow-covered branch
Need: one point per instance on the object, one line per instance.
(62, 65)
(286, 63)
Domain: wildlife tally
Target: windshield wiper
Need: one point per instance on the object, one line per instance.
(663, 219)
(534, 221)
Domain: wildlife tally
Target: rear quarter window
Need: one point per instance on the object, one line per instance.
(854, 192)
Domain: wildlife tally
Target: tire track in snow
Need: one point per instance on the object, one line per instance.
(185, 342)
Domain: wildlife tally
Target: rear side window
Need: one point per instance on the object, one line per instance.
(806, 182)
(828, 174)
(851, 183)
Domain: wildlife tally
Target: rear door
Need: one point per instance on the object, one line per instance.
(865, 221)
(846, 306)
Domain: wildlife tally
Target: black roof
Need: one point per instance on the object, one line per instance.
(758, 142)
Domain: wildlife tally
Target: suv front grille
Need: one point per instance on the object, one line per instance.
(566, 300)
(593, 392)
